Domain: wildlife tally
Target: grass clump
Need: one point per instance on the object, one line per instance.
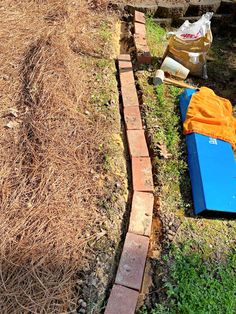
(156, 37)
(201, 286)
(195, 285)
(164, 126)
(167, 116)
(104, 86)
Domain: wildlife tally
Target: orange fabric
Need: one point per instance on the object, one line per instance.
(211, 115)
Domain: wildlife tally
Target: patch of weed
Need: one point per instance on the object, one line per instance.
(114, 185)
(166, 113)
(169, 156)
(158, 309)
(106, 31)
(104, 85)
(197, 285)
(156, 37)
(215, 238)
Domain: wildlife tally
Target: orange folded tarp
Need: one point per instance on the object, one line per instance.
(211, 115)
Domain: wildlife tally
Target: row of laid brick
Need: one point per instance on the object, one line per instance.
(124, 295)
(140, 40)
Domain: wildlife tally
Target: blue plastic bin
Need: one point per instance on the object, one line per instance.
(212, 168)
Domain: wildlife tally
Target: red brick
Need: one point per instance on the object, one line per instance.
(143, 53)
(140, 29)
(137, 143)
(128, 89)
(133, 119)
(122, 300)
(124, 62)
(142, 174)
(141, 213)
(132, 262)
(139, 17)
(140, 40)
(144, 58)
(129, 96)
(124, 57)
(141, 44)
(127, 77)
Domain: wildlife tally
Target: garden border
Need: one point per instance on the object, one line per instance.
(128, 282)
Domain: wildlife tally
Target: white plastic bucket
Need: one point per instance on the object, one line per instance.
(159, 78)
(173, 67)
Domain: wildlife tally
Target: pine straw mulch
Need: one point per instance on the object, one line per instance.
(48, 150)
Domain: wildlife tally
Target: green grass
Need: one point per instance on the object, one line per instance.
(106, 32)
(169, 120)
(164, 126)
(194, 285)
(104, 85)
(156, 37)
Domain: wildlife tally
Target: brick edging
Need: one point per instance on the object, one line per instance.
(140, 39)
(128, 282)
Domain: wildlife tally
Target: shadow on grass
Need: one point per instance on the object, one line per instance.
(185, 184)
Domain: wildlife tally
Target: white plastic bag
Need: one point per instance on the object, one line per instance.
(190, 44)
(193, 31)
